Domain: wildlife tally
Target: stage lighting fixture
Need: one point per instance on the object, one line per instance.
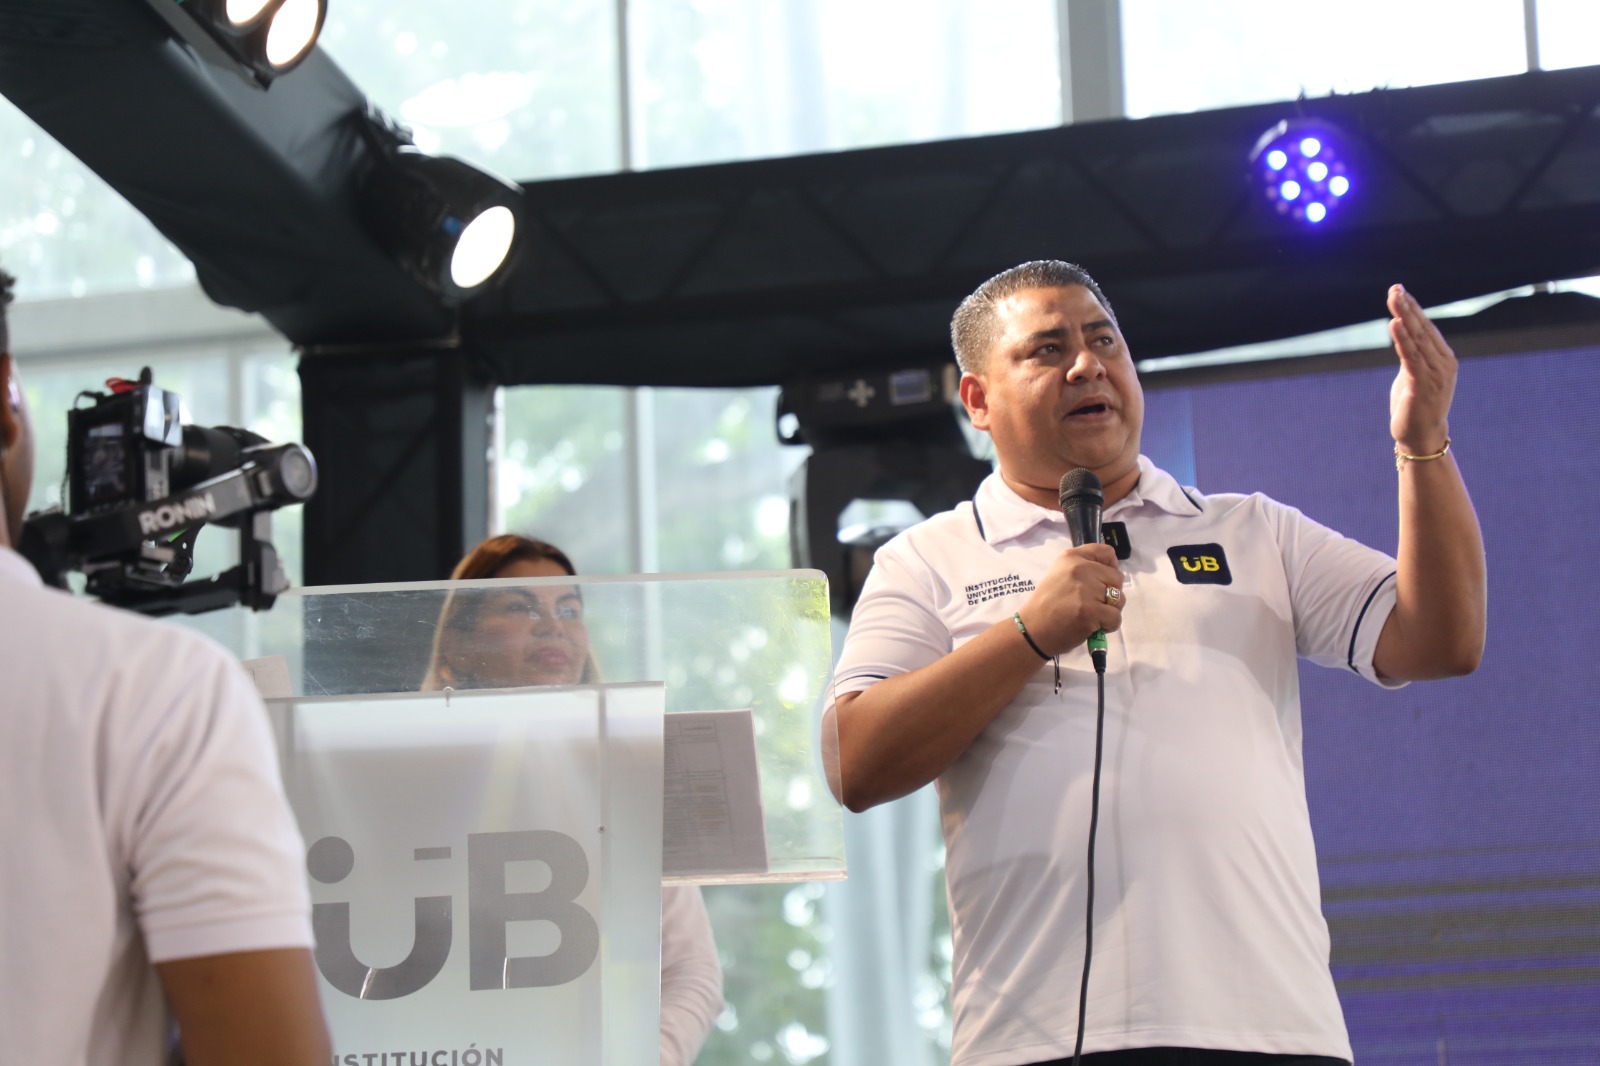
(1301, 166)
(266, 38)
(451, 226)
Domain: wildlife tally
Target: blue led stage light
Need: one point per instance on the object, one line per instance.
(1300, 165)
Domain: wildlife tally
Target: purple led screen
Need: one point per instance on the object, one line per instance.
(1457, 822)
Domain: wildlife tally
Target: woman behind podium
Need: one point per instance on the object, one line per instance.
(536, 636)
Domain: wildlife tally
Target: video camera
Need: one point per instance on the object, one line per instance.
(141, 485)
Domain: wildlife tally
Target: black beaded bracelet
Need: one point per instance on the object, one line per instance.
(1017, 618)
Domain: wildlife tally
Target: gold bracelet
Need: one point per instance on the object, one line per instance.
(1401, 458)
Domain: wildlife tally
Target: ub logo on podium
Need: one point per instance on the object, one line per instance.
(465, 852)
(490, 907)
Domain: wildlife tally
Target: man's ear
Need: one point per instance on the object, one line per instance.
(975, 398)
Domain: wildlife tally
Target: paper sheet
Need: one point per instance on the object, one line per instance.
(713, 818)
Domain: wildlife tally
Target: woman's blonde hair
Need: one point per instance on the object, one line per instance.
(459, 611)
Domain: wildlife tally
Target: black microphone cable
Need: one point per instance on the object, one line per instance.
(1082, 498)
(1099, 658)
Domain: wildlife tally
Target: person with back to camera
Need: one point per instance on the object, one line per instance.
(535, 635)
(965, 665)
(152, 871)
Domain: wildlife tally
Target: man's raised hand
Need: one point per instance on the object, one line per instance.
(1419, 401)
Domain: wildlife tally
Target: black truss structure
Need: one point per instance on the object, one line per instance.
(401, 438)
(757, 272)
(260, 189)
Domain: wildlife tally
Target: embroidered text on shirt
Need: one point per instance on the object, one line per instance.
(994, 588)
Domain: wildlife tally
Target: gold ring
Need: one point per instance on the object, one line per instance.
(1113, 596)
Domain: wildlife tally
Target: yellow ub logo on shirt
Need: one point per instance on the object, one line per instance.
(1200, 564)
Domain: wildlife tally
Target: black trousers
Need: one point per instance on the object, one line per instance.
(1184, 1056)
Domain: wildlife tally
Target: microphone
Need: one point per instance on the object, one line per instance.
(1082, 498)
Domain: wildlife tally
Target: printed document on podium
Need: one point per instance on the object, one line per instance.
(713, 818)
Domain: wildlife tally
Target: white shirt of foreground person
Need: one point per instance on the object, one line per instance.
(142, 821)
(1208, 927)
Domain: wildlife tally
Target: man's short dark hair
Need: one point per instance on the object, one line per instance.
(973, 328)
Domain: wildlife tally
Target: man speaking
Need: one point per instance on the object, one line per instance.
(965, 665)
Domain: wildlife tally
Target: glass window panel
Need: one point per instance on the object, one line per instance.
(722, 477)
(1569, 33)
(773, 943)
(526, 88)
(561, 474)
(1180, 56)
(718, 80)
(63, 231)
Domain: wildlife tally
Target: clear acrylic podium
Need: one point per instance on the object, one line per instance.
(486, 862)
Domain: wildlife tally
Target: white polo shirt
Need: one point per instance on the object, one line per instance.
(1208, 924)
(141, 820)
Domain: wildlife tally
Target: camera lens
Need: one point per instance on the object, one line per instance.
(297, 473)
